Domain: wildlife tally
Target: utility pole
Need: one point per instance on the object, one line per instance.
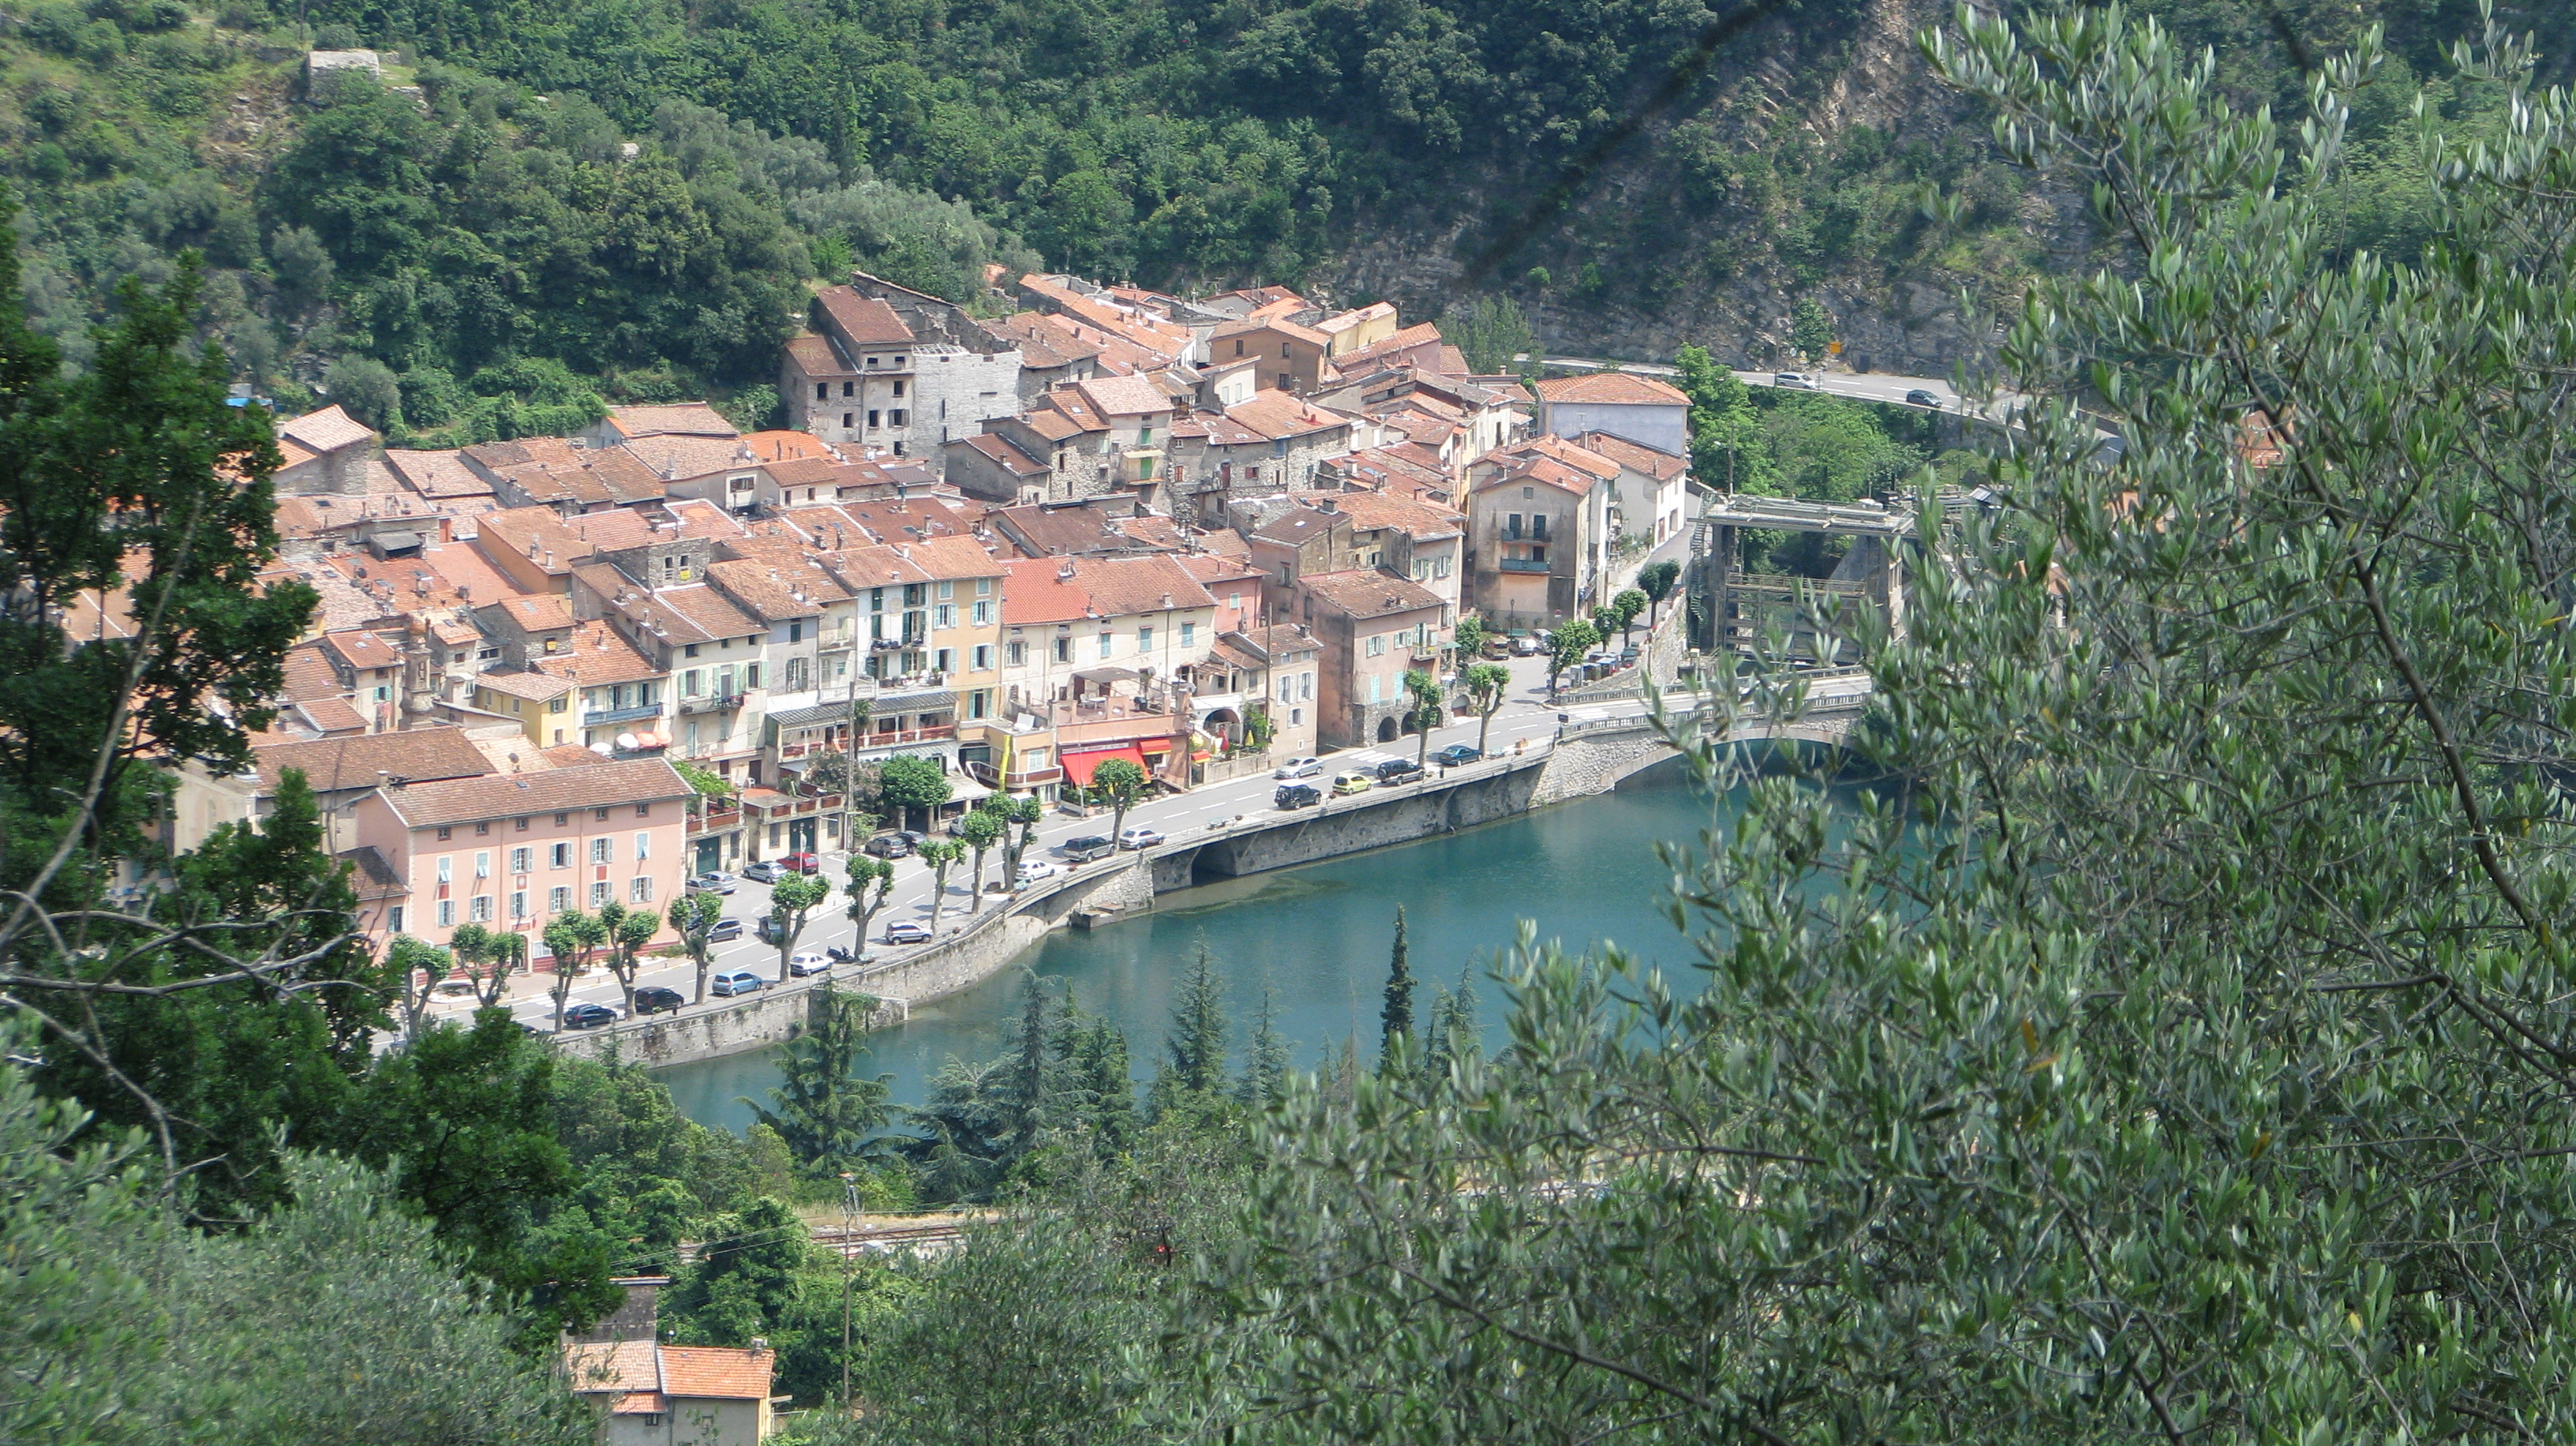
(849, 1226)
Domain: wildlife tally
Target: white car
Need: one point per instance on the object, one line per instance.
(1797, 381)
(907, 932)
(1140, 837)
(1298, 768)
(807, 961)
(1033, 870)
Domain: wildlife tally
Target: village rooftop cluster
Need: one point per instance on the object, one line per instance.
(1116, 524)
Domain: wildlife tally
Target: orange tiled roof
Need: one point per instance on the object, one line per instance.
(1614, 388)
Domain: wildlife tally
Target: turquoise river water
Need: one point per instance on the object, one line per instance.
(1584, 873)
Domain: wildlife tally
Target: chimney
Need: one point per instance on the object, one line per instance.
(1064, 571)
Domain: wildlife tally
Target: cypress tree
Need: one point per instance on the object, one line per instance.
(1266, 1071)
(1028, 1068)
(1196, 1042)
(1396, 1021)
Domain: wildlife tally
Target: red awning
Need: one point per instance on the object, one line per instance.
(1078, 766)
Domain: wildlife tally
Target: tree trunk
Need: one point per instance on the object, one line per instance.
(1485, 730)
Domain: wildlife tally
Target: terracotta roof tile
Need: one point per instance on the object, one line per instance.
(1276, 414)
(775, 594)
(716, 1373)
(472, 800)
(862, 320)
(327, 430)
(995, 449)
(1123, 396)
(435, 475)
(418, 754)
(1368, 592)
(815, 357)
(1612, 388)
(694, 419)
(1654, 462)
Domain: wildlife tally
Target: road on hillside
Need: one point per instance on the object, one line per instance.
(1527, 719)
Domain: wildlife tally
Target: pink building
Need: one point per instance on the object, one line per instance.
(511, 851)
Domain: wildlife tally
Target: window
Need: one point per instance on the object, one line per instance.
(751, 675)
(519, 860)
(1145, 638)
(983, 614)
(1440, 565)
(1104, 644)
(979, 703)
(1306, 686)
(480, 911)
(558, 900)
(942, 659)
(1528, 493)
(643, 847)
(446, 870)
(1512, 525)
(599, 815)
(599, 893)
(1296, 716)
(1188, 631)
(849, 389)
(915, 594)
(483, 830)
(822, 390)
(875, 419)
(483, 866)
(1538, 554)
(601, 848)
(1238, 346)
(983, 587)
(983, 657)
(1016, 654)
(894, 418)
(559, 856)
(518, 903)
(1064, 650)
(1283, 351)
(445, 833)
(643, 810)
(639, 889)
(559, 705)
(1376, 649)
(446, 912)
(944, 616)
(395, 918)
(1538, 526)
(692, 682)
(520, 823)
(845, 419)
(898, 391)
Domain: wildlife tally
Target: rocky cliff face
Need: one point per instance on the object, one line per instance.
(1786, 137)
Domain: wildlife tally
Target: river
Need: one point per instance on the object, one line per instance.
(1584, 872)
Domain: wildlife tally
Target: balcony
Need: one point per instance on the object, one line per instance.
(1016, 780)
(1520, 564)
(716, 820)
(711, 703)
(602, 717)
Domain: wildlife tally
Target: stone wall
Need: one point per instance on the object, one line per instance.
(1337, 827)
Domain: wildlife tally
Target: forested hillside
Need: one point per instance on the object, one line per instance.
(566, 202)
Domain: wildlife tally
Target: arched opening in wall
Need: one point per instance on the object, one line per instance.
(1386, 730)
(1224, 723)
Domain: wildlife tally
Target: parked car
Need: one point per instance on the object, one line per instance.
(1298, 768)
(907, 932)
(1399, 770)
(725, 931)
(802, 863)
(1456, 755)
(1921, 398)
(657, 1000)
(1088, 847)
(455, 989)
(807, 961)
(1352, 782)
(766, 871)
(1800, 381)
(1032, 870)
(769, 930)
(736, 981)
(1296, 795)
(1498, 647)
(591, 1016)
(1140, 837)
(718, 882)
(1527, 646)
(889, 846)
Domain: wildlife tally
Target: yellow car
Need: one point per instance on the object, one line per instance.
(1352, 783)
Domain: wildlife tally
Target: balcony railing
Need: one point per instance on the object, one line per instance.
(711, 703)
(1521, 564)
(599, 717)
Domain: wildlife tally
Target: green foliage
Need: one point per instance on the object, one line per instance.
(1469, 637)
(826, 1113)
(1567, 645)
(909, 781)
(695, 917)
(2166, 1057)
(124, 1328)
(1197, 1043)
(1395, 1046)
(792, 900)
(1487, 685)
(1811, 330)
(1657, 581)
(1494, 335)
(1120, 782)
